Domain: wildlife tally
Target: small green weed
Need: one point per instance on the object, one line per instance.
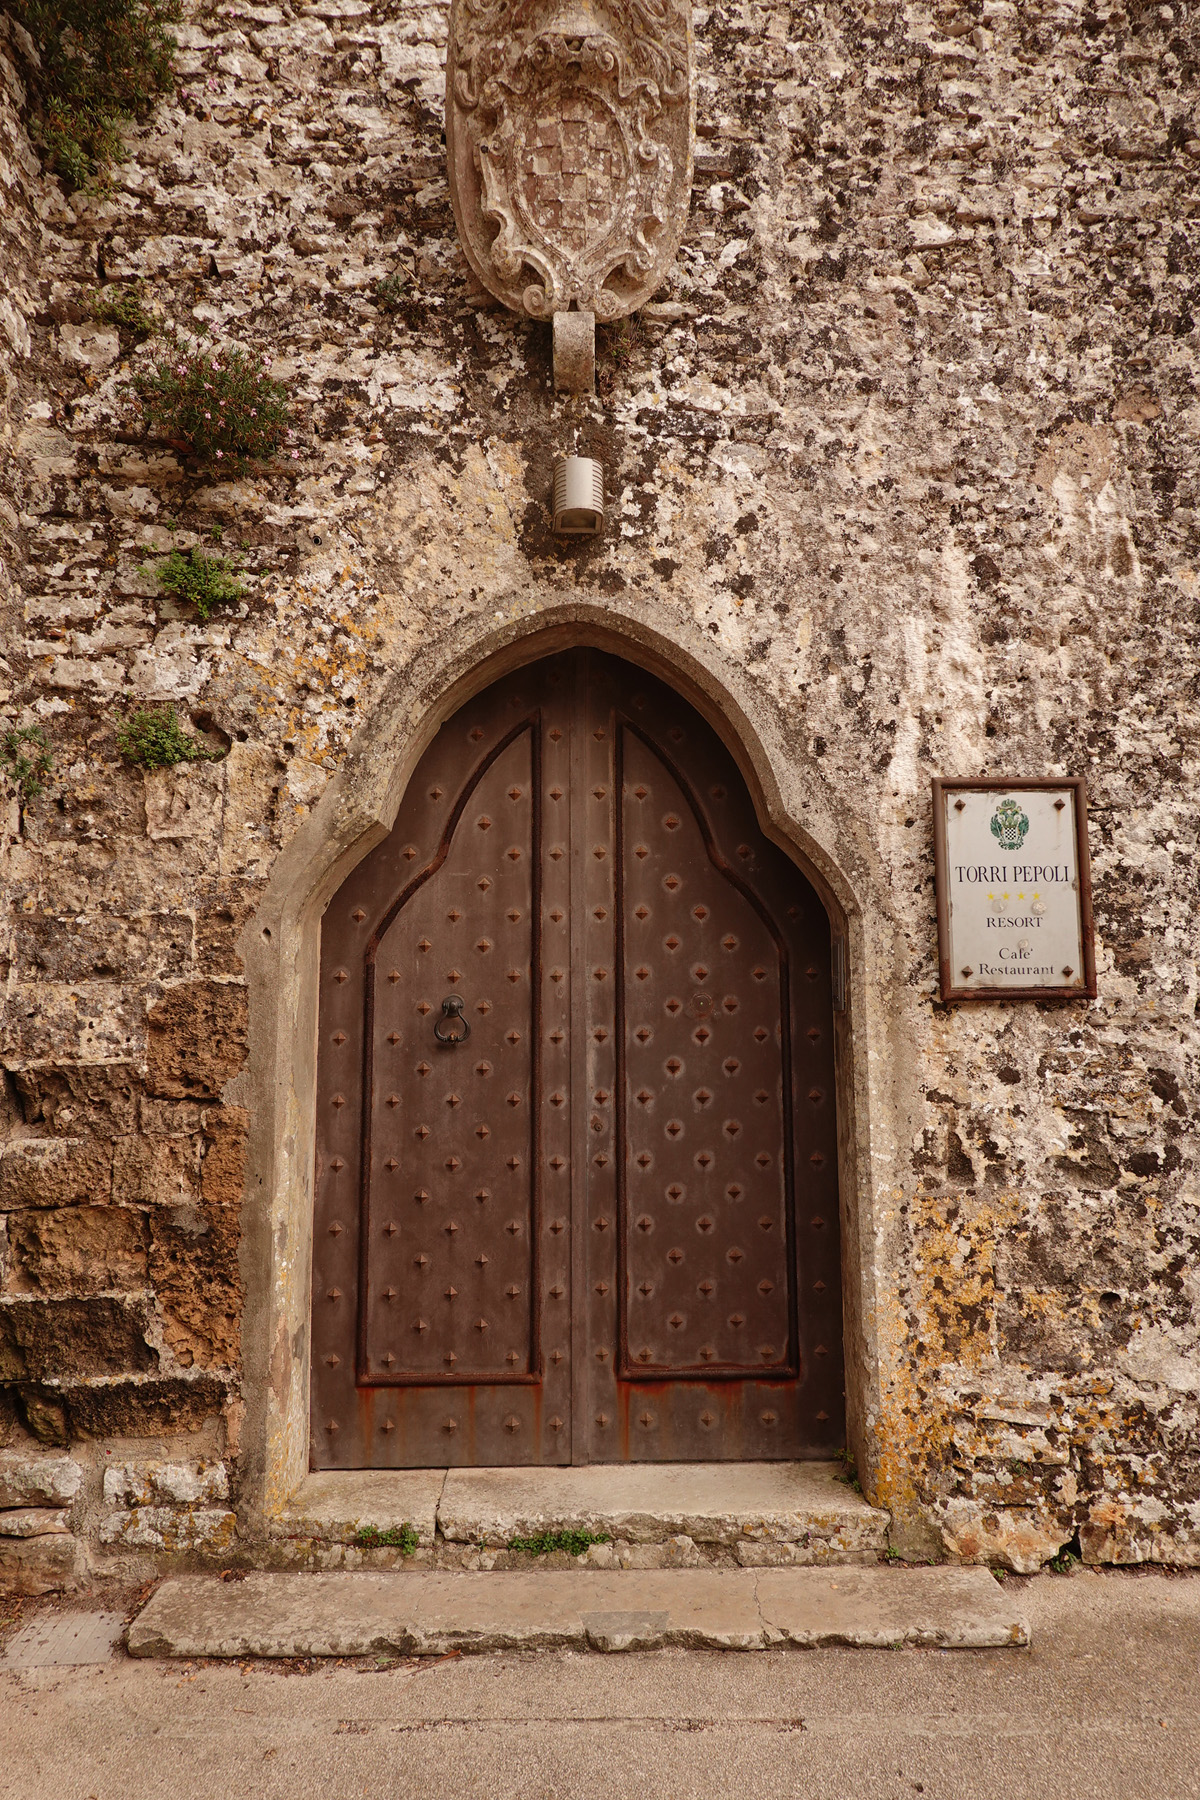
(542, 1543)
(394, 1537)
(152, 737)
(1000, 1573)
(1065, 1563)
(25, 754)
(893, 1556)
(123, 307)
(849, 1473)
(392, 291)
(215, 403)
(205, 582)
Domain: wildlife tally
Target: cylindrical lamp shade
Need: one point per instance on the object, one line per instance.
(578, 496)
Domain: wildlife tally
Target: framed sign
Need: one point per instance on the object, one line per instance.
(1014, 892)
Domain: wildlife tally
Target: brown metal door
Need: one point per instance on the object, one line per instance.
(576, 1167)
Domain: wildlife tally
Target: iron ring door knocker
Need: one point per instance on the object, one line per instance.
(452, 1008)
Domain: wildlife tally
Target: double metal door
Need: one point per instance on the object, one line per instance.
(576, 1178)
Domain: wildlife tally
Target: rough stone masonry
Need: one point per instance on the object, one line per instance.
(910, 439)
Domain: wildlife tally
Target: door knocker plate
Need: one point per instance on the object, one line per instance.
(452, 1008)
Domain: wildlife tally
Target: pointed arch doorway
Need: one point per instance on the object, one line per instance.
(576, 1173)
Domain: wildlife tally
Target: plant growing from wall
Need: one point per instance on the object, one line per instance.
(153, 738)
(124, 308)
(26, 759)
(215, 403)
(392, 291)
(619, 348)
(205, 582)
(99, 63)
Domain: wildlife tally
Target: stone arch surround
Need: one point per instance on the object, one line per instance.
(280, 947)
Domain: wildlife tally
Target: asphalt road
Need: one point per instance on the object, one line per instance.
(1105, 1703)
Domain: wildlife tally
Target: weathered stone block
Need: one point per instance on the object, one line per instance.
(1018, 1539)
(41, 1565)
(64, 1338)
(98, 1098)
(197, 1039)
(77, 1250)
(154, 946)
(224, 1169)
(31, 1521)
(45, 1416)
(217, 933)
(209, 1528)
(165, 1484)
(140, 1408)
(36, 1480)
(55, 1172)
(185, 804)
(156, 1171)
(194, 1272)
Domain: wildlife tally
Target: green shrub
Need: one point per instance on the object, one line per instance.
(101, 62)
(153, 738)
(216, 404)
(396, 1537)
(122, 306)
(203, 581)
(25, 754)
(573, 1542)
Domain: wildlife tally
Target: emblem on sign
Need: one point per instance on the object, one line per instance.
(1013, 886)
(569, 147)
(1009, 825)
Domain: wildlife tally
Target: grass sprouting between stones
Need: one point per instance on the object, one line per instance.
(203, 581)
(393, 1537)
(153, 738)
(542, 1543)
(25, 755)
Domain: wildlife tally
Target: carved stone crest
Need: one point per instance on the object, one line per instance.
(569, 141)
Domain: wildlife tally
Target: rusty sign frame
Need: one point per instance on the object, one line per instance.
(1076, 786)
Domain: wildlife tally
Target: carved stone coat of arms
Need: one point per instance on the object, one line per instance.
(569, 140)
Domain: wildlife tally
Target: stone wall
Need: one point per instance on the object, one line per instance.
(910, 441)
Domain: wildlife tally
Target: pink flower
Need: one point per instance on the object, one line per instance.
(208, 415)
(220, 453)
(295, 455)
(254, 412)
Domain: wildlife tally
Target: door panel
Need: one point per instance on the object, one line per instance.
(705, 1224)
(450, 1280)
(603, 1226)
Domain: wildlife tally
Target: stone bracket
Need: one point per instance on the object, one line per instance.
(575, 352)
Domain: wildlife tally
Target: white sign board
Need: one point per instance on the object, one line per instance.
(1014, 912)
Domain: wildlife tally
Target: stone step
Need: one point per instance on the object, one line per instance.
(368, 1614)
(752, 1514)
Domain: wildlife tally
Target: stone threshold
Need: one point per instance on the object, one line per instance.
(650, 1514)
(369, 1614)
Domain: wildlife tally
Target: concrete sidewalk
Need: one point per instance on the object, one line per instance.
(1103, 1706)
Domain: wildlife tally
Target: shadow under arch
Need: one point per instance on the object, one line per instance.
(281, 945)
